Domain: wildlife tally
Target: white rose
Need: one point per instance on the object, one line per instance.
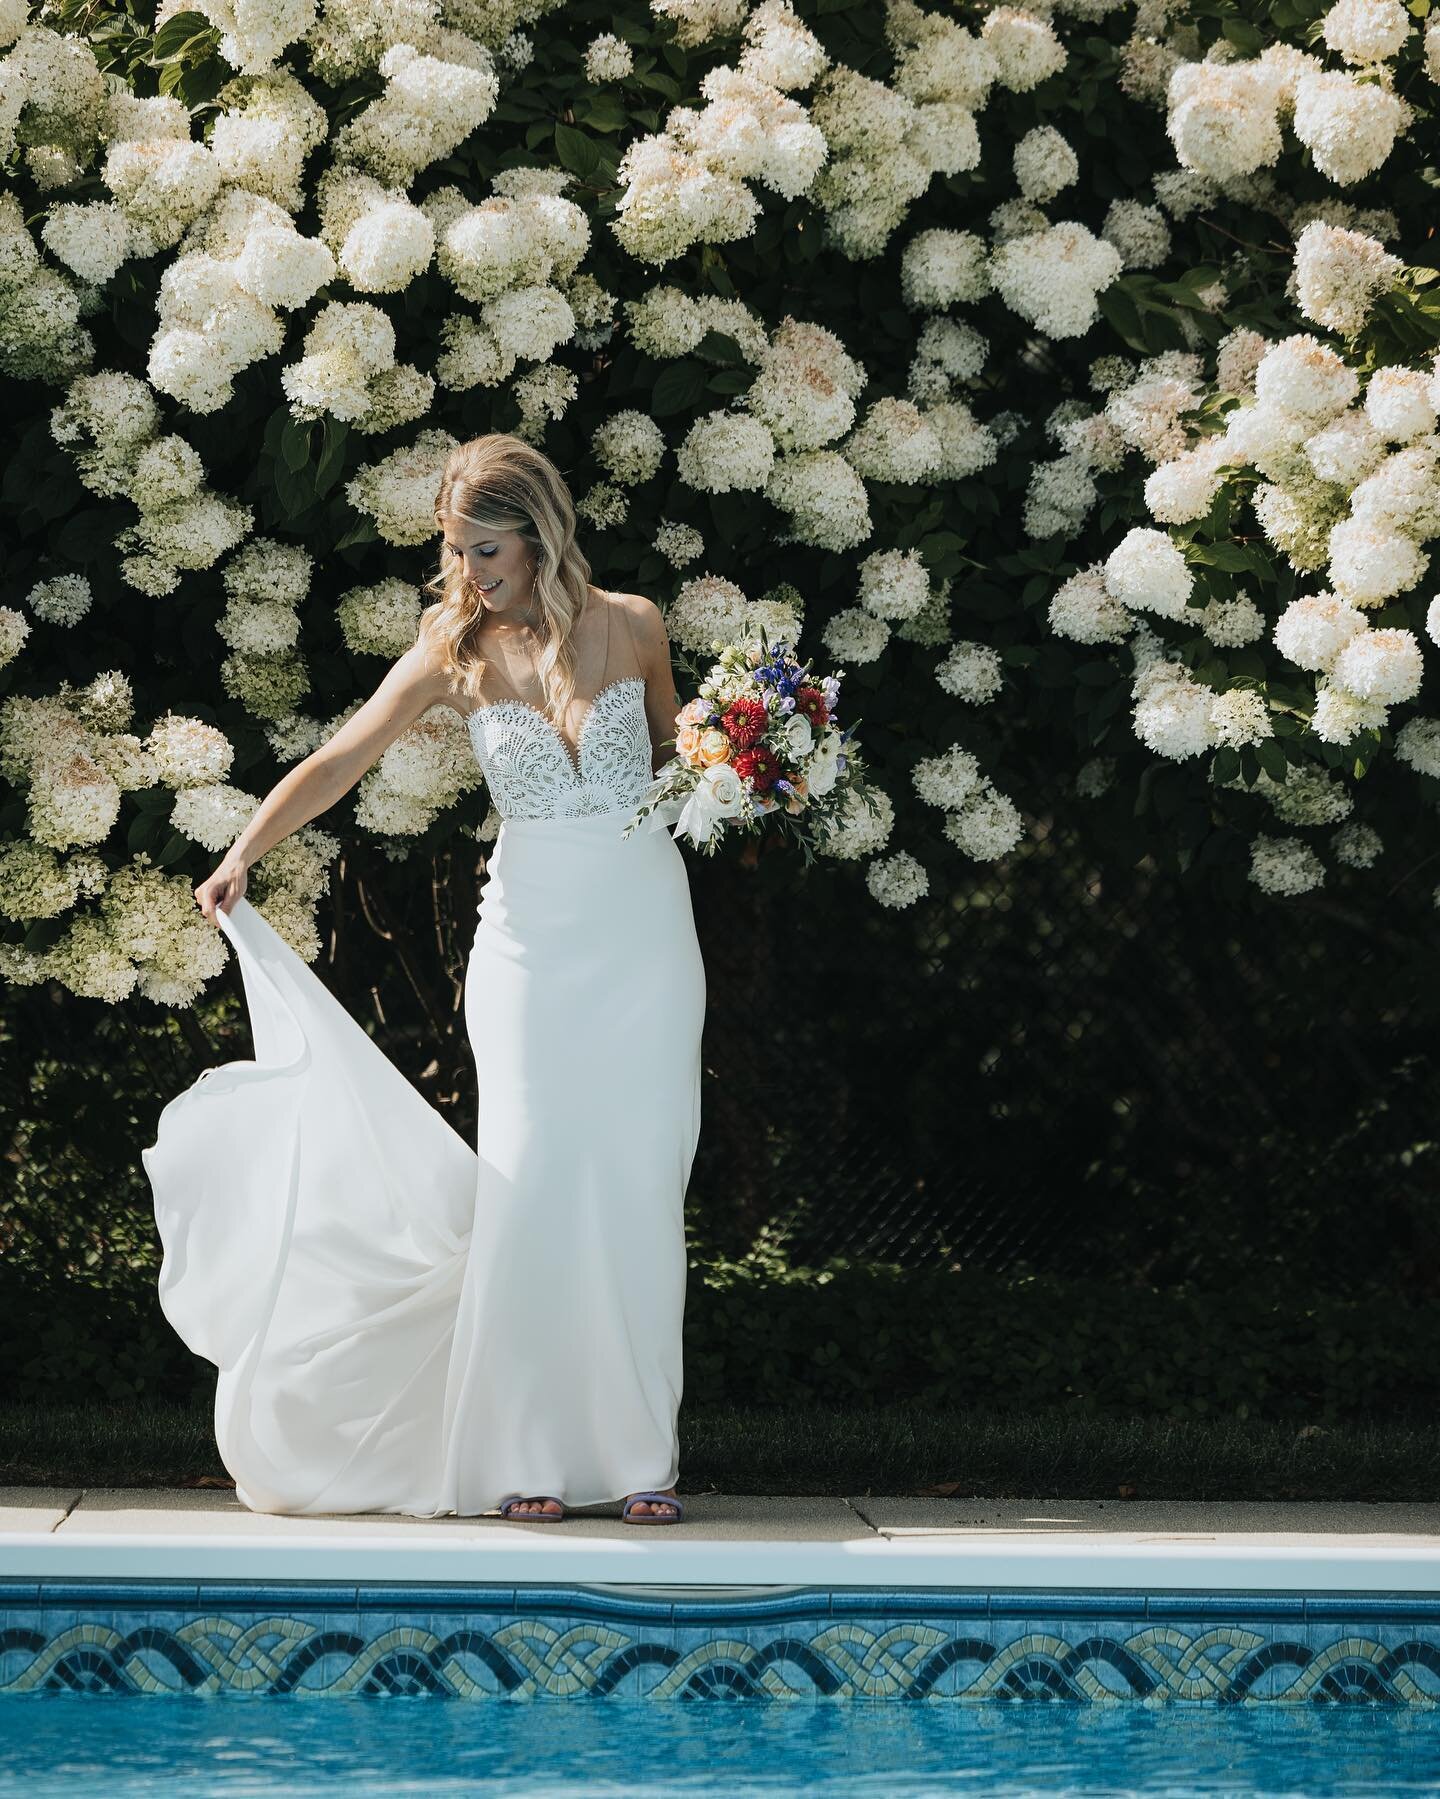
(718, 794)
(823, 770)
(798, 734)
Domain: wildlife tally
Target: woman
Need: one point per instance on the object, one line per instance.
(402, 1324)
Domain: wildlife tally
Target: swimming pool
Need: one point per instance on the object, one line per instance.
(64, 1746)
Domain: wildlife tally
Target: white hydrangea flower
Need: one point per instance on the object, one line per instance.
(36, 883)
(825, 497)
(1417, 743)
(14, 629)
(1084, 609)
(855, 830)
(1024, 45)
(1301, 378)
(966, 446)
(380, 620)
(1223, 118)
(1348, 126)
(1356, 845)
(678, 543)
(942, 268)
(1384, 665)
(1095, 777)
(1340, 715)
(1044, 163)
(898, 880)
(987, 826)
(1284, 865)
(1051, 277)
(187, 752)
(630, 446)
(1138, 232)
(1147, 570)
(1183, 489)
(1231, 623)
(894, 584)
(398, 492)
(1240, 716)
(1365, 31)
(1369, 564)
(1237, 356)
(706, 607)
(61, 599)
(894, 442)
(213, 816)
(608, 58)
(973, 672)
(725, 452)
(1399, 405)
(1307, 796)
(948, 780)
(1312, 631)
(1339, 274)
(1173, 718)
(1346, 450)
(853, 635)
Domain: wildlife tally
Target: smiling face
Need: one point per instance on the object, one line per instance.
(498, 565)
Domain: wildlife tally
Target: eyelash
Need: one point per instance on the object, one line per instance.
(454, 552)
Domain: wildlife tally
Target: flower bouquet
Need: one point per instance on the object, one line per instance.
(761, 741)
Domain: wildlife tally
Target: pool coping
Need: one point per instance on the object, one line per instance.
(1082, 1561)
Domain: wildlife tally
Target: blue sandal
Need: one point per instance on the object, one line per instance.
(653, 1517)
(507, 1507)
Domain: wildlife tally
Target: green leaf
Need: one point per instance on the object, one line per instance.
(576, 151)
(1272, 758)
(1227, 764)
(678, 385)
(179, 32)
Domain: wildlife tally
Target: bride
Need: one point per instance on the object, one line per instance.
(402, 1323)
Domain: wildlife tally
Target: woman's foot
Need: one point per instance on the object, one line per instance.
(527, 1508)
(648, 1508)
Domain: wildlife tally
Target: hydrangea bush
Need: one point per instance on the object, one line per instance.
(1065, 372)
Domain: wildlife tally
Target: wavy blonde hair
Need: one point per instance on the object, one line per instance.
(502, 483)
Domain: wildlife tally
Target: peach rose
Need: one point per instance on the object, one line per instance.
(693, 712)
(714, 747)
(687, 745)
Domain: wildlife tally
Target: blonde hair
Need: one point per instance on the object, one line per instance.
(502, 483)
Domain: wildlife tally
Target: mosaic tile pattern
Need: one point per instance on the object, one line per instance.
(554, 1642)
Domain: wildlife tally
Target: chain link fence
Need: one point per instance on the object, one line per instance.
(1113, 1076)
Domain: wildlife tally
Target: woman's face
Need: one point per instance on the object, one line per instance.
(497, 564)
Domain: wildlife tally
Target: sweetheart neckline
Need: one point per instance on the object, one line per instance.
(573, 757)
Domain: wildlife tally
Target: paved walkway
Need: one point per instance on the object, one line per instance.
(190, 1534)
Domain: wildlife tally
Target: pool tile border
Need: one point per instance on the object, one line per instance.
(552, 1641)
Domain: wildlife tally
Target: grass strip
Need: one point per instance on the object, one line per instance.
(831, 1452)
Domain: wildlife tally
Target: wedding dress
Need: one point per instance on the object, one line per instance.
(402, 1323)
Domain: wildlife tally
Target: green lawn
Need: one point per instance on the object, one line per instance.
(814, 1450)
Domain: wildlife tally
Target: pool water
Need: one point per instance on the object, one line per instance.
(62, 1746)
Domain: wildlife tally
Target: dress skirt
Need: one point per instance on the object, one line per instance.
(402, 1323)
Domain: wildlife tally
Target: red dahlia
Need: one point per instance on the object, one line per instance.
(811, 702)
(759, 766)
(744, 720)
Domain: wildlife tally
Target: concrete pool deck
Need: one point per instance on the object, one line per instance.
(738, 1542)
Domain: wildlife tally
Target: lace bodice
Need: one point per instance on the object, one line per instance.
(528, 766)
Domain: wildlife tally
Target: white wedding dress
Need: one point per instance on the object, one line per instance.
(402, 1323)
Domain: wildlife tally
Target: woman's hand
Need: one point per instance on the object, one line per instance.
(223, 888)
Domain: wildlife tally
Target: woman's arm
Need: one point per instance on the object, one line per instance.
(662, 702)
(411, 687)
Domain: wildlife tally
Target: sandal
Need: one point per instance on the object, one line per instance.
(653, 1517)
(507, 1507)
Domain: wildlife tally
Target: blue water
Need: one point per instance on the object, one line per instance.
(288, 1748)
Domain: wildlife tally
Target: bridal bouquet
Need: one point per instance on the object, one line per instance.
(761, 741)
